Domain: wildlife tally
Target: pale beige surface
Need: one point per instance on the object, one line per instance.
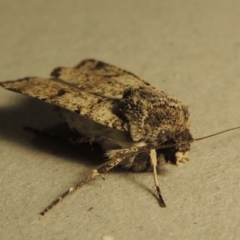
(188, 48)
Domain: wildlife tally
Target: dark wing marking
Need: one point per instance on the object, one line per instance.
(57, 92)
(99, 78)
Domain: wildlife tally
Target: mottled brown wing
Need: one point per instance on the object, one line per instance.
(99, 78)
(57, 92)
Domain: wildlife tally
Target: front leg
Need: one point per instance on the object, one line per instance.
(153, 157)
(183, 142)
(177, 155)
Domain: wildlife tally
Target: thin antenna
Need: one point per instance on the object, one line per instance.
(215, 134)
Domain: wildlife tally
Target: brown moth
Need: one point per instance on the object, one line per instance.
(138, 126)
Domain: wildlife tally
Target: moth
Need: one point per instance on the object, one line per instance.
(138, 126)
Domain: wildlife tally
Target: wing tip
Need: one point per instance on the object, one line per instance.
(56, 72)
(84, 61)
(8, 83)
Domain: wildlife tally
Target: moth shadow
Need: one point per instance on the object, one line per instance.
(44, 117)
(133, 178)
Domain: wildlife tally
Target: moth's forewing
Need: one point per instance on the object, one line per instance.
(57, 92)
(99, 78)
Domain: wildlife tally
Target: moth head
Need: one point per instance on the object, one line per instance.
(176, 150)
(170, 151)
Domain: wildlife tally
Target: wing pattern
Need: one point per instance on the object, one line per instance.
(57, 92)
(99, 78)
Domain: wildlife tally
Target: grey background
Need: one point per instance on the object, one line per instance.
(190, 49)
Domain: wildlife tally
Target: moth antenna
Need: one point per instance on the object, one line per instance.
(215, 134)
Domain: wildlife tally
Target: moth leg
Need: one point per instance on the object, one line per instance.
(183, 141)
(99, 171)
(181, 158)
(153, 158)
(70, 190)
